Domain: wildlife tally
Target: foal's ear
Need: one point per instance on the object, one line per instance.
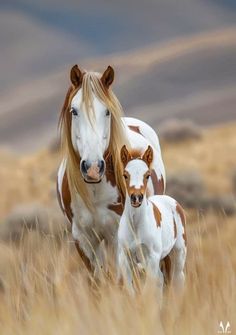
(76, 76)
(108, 76)
(124, 155)
(148, 156)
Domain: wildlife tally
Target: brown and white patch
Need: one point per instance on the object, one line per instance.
(175, 229)
(157, 214)
(66, 198)
(158, 184)
(117, 208)
(180, 211)
(135, 129)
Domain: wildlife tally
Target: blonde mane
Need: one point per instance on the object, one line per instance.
(92, 85)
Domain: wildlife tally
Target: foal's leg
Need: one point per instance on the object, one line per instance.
(124, 270)
(179, 257)
(154, 269)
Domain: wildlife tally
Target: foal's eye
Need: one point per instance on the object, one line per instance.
(108, 113)
(74, 111)
(125, 176)
(147, 177)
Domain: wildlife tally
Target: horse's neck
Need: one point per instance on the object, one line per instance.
(98, 191)
(137, 216)
(110, 175)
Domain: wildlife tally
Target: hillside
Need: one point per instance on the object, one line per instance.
(32, 178)
(179, 61)
(38, 38)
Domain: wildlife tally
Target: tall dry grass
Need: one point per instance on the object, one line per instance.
(44, 289)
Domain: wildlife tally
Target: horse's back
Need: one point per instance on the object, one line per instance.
(145, 130)
(173, 215)
(140, 135)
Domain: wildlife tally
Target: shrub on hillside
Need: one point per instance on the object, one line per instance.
(179, 130)
(187, 188)
(234, 182)
(224, 203)
(54, 145)
(32, 217)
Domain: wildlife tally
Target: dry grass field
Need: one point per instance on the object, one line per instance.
(44, 287)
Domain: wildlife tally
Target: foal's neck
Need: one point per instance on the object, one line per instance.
(136, 215)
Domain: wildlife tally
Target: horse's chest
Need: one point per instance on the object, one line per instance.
(102, 221)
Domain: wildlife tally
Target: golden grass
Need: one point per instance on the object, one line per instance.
(44, 289)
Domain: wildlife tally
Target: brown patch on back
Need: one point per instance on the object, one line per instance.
(180, 211)
(135, 129)
(157, 215)
(66, 198)
(175, 229)
(158, 184)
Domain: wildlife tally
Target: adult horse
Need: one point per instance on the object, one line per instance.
(90, 183)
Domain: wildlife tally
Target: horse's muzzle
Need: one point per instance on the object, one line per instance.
(92, 172)
(136, 200)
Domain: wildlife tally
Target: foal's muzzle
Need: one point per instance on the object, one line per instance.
(92, 172)
(136, 199)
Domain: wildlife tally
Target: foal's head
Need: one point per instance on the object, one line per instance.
(136, 174)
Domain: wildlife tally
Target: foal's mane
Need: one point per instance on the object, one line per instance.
(92, 85)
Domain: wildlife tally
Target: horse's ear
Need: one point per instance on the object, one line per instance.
(108, 76)
(148, 156)
(124, 155)
(76, 76)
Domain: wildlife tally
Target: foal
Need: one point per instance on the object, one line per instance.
(150, 228)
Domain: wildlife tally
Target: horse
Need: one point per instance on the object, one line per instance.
(150, 228)
(90, 184)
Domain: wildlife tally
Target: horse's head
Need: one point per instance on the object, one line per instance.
(136, 174)
(91, 120)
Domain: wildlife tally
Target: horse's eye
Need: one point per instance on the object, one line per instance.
(125, 176)
(147, 177)
(108, 113)
(74, 111)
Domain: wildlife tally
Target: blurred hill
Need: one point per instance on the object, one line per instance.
(32, 178)
(171, 58)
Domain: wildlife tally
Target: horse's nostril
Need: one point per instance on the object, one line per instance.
(84, 166)
(140, 198)
(133, 197)
(101, 166)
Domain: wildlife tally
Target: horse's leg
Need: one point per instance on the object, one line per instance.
(79, 239)
(166, 270)
(84, 258)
